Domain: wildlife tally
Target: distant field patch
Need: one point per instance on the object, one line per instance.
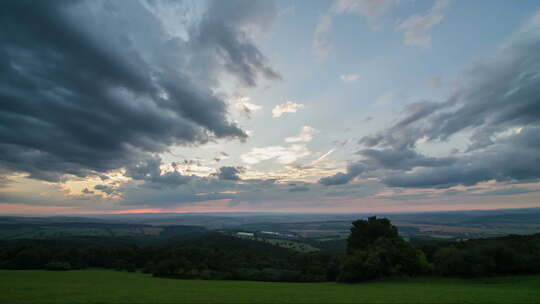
(329, 234)
(298, 246)
(103, 286)
(294, 245)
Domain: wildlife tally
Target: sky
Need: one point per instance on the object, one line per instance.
(334, 106)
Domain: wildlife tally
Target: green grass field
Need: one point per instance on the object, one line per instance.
(296, 246)
(102, 286)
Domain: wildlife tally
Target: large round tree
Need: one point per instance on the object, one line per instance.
(375, 250)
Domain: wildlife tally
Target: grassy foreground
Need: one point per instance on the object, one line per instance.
(104, 286)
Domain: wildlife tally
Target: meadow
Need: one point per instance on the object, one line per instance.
(293, 245)
(106, 286)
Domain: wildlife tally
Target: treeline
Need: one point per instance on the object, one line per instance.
(514, 254)
(374, 250)
(212, 256)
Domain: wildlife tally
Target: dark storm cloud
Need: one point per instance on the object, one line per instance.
(353, 170)
(223, 35)
(104, 189)
(149, 171)
(497, 93)
(229, 173)
(387, 159)
(498, 103)
(510, 159)
(403, 134)
(401, 159)
(84, 97)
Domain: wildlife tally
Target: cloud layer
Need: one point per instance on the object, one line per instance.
(70, 105)
(497, 106)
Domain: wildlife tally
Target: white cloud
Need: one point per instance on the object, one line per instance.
(417, 26)
(283, 155)
(243, 106)
(349, 78)
(306, 135)
(288, 107)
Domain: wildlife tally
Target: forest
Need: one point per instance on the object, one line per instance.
(374, 250)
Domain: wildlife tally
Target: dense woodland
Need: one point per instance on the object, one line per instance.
(374, 250)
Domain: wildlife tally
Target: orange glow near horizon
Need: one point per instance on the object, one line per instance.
(223, 206)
